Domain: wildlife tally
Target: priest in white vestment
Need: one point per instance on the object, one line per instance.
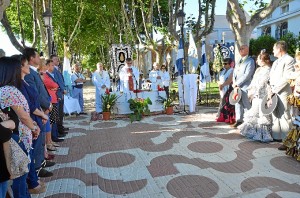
(129, 77)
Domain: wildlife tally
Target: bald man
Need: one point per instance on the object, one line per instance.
(242, 76)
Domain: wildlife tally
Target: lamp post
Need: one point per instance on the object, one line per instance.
(180, 19)
(47, 16)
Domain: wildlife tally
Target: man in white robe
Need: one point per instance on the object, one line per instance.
(155, 76)
(127, 73)
(101, 81)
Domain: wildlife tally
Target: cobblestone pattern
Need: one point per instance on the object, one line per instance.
(168, 156)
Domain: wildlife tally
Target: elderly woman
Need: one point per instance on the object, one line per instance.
(257, 126)
(226, 110)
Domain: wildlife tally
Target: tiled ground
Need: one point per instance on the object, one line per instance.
(167, 156)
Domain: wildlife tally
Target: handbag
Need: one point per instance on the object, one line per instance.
(16, 159)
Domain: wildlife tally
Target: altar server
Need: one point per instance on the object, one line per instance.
(165, 79)
(155, 77)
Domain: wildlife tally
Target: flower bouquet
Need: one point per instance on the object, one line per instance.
(140, 107)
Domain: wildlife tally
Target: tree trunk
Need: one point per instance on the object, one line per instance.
(3, 5)
(10, 33)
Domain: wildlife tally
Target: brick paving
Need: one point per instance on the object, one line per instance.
(167, 156)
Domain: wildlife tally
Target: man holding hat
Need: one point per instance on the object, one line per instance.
(242, 76)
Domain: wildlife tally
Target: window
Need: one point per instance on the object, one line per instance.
(285, 9)
(267, 31)
(283, 29)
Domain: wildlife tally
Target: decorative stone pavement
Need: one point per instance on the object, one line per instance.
(167, 156)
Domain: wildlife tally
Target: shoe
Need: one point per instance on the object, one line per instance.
(60, 135)
(62, 132)
(44, 173)
(235, 125)
(57, 140)
(47, 163)
(66, 129)
(282, 148)
(50, 147)
(37, 190)
(55, 144)
(50, 157)
(83, 113)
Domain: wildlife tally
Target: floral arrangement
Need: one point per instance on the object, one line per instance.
(108, 101)
(140, 107)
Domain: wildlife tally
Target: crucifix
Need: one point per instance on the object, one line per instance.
(120, 34)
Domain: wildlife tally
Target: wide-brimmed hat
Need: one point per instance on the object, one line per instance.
(233, 99)
(264, 107)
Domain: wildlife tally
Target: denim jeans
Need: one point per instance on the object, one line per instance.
(19, 187)
(3, 189)
(32, 179)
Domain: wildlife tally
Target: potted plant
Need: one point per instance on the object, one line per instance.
(168, 104)
(140, 107)
(108, 102)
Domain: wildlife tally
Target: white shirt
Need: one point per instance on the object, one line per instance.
(76, 76)
(165, 78)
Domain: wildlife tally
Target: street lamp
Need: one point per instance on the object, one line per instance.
(181, 19)
(47, 16)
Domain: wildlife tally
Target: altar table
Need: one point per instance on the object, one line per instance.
(122, 105)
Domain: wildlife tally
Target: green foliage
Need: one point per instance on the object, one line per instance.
(263, 42)
(108, 101)
(292, 41)
(140, 107)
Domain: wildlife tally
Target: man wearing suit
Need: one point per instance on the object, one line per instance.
(60, 80)
(242, 76)
(35, 81)
(279, 75)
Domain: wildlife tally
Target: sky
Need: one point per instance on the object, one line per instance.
(190, 9)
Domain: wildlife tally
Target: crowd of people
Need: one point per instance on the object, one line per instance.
(252, 88)
(32, 91)
(32, 97)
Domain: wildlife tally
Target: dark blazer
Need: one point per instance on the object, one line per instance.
(35, 81)
(60, 81)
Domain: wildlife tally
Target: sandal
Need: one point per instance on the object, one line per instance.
(50, 147)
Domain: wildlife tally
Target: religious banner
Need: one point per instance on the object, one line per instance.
(220, 52)
(119, 53)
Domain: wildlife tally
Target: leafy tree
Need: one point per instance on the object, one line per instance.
(237, 17)
(263, 42)
(292, 41)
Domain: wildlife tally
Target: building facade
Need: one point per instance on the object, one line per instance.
(284, 19)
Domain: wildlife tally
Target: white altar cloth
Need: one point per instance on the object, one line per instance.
(122, 105)
(71, 105)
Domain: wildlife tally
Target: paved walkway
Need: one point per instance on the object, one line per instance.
(167, 156)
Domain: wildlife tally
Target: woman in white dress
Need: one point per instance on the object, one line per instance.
(258, 126)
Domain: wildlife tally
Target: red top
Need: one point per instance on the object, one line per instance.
(51, 86)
